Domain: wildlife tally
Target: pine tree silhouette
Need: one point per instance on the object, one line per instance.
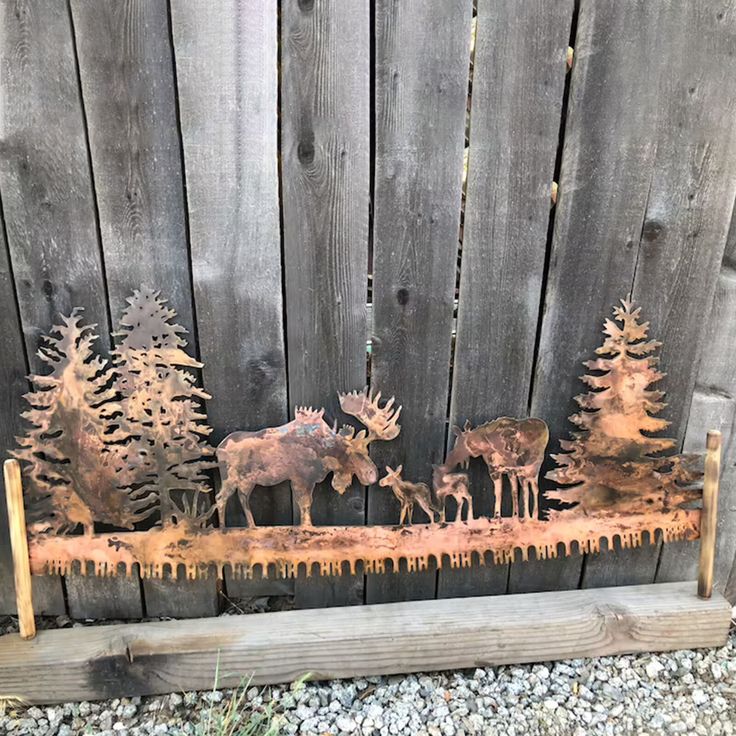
(161, 408)
(610, 460)
(72, 449)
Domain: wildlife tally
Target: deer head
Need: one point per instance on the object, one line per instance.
(392, 476)
(381, 422)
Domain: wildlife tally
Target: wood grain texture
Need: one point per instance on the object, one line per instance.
(19, 545)
(714, 407)
(325, 154)
(226, 62)
(518, 83)
(129, 97)
(48, 201)
(47, 594)
(647, 184)
(113, 661)
(421, 94)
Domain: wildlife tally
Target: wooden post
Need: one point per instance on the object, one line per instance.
(19, 545)
(709, 515)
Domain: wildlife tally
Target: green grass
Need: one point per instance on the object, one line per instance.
(234, 716)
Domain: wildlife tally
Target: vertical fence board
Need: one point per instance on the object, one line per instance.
(50, 211)
(48, 597)
(325, 155)
(226, 64)
(421, 93)
(518, 83)
(129, 98)
(637, 146)
(714, 407)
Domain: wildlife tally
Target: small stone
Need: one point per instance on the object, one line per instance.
(653, 669)
(345, 724)
(551, 704)
(699, 697)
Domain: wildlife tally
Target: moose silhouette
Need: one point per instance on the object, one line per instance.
(511, 447)
(305, 451)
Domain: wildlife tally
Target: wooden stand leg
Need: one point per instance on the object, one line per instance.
(709, 516)
(19, 545)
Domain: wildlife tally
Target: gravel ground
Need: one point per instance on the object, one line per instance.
(686, 692)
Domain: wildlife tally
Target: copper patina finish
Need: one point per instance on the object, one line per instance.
(125, 441)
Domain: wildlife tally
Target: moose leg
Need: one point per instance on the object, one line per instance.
(244, 496)
(514, 495)
(469, 516)
(226, 490)
(534, 488)
(526, 493)
(410, 512)
(403, 514)
(497, 493)
(459, 500)
(303, 498)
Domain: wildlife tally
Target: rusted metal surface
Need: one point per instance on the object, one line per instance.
(335, 550)
(409, 494)
(609, 461)
(123, 441)
(513, 448)
(305, 451)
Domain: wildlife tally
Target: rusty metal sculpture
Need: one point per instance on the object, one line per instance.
(124, 443)
(408, 494)
(511, 447)
(610, 463)
(305, 451)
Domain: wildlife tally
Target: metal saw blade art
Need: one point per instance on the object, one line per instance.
(123, 443)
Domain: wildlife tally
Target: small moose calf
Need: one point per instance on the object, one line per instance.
(409, 494)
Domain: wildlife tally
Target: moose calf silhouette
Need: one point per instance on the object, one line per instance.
(408, 494)
(305, 451)
(452, 485)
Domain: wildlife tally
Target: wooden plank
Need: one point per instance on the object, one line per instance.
(421, 94)
(49, 205)
(101, 662)
(226, 63)
(714, 407)
(47, 594)
(126, 71)
(647, 185)
(325, 151)
(518, 83)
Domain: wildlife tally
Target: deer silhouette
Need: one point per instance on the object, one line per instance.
(455, 485)
(305, 451)
(511, 447)
(408, 494)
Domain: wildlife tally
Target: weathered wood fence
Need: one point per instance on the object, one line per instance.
(290, 174)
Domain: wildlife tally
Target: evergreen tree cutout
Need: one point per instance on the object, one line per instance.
(615, 467)
(73, 447)
(161, 408)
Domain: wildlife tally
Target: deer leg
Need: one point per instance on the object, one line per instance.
(497, 493)
(469, 516)
(427, 509)
(403, 513)
(534, 487)
(410, 512)
(443, 510)
(514, 495)
(526, 493)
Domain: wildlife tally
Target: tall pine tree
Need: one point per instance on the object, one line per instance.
(610, 464)
(161, 408)
(72, 450)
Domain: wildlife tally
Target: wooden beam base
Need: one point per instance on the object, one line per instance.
(89, 663)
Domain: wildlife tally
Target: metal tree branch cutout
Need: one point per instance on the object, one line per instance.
(123, 442)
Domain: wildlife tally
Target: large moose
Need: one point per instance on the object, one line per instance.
(511, 447)
(305, 451)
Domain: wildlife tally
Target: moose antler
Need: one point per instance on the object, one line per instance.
(381, 422)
